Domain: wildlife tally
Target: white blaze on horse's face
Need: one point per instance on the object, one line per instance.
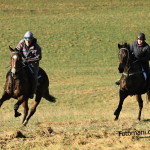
(13, 65)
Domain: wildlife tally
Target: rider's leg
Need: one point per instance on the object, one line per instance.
(35, 68)
(145, 66)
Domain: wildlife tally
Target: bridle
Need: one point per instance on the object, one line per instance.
(23, 63)
(128, 55)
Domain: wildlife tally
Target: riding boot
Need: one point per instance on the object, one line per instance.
(148, 86)
(35, 68)
(34, 87)
(145, 66)
(148, 81)
(117, 82)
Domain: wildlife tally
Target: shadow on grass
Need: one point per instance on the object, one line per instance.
(146, 120)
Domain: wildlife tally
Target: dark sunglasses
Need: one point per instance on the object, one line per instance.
(28, 38)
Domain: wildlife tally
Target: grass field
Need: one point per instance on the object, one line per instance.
(79, 46)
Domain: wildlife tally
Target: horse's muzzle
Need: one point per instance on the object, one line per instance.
(13, 72)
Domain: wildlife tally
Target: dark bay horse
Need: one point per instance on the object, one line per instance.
(18, 86)
(133, 81)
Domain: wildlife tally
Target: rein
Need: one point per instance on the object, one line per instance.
(131, 74)
(127, 63)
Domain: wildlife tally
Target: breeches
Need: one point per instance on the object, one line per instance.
(35, 69)
(145, 66)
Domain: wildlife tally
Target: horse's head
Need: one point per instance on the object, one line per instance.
(15, 61)
(123, 56)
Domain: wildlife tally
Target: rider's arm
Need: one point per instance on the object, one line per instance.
(20, 45)
(145, 55)
(36, 54)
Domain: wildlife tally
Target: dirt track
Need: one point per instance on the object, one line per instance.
(45, 136)
(62, 136)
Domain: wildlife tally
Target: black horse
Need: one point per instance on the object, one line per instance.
(133, 80)
(18, 86)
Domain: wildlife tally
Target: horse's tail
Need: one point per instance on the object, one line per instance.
(49, 97)
(148, 96)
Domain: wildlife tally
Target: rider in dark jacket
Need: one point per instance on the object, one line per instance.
(141, 51)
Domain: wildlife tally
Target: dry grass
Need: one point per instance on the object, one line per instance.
(92, 129)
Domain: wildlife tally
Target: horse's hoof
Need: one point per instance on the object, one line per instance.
(0, 104)
(115, 119)
(25, 123)
(17, 114)
(53, 100)
(115, 113)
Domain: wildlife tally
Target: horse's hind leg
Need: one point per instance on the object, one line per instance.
(122, 96)
(33, 109)
(5, 97)
(140, 102)
(26, 109)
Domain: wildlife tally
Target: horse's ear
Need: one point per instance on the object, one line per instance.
(11, 49)
(119, 46)
(126, 45)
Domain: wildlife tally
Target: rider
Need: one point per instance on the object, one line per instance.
(141, 51)
(31, 52)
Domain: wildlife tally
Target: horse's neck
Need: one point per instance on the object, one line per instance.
(127, 69)
(132, 68)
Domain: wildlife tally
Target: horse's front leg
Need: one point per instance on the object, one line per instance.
(140, 102)
(26, 109)
(122, 96)
(5, 97)
(21, 99)
(33, 109)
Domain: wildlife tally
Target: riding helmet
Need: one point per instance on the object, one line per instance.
(28, 36)
(141, 36)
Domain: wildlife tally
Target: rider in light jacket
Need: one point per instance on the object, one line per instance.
(31, 52)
